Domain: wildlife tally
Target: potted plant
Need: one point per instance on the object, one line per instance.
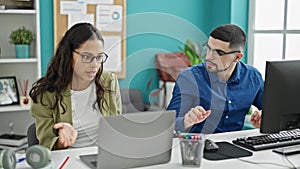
(194, 52)
(22, 39)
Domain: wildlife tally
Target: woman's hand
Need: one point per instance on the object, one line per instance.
(195, 115)
(66, 135)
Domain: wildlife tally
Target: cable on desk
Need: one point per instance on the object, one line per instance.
(289, 161)
(265, 163)
(258, 163)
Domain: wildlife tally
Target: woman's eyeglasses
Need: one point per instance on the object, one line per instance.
(87, 58)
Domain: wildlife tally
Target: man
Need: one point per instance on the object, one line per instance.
(215, 96)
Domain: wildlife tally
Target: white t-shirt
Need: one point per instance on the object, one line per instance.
(85, 117)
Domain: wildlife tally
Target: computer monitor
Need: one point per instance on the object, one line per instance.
(281, 100)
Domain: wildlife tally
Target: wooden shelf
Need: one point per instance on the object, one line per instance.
(14, 108)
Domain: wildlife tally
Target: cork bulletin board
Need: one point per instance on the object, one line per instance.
(109, 16)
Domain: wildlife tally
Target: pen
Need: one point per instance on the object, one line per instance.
(21, 159)
(65, 161)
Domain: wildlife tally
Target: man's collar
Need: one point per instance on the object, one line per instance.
(235, 77)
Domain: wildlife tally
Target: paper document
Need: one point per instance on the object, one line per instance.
(112, 46)
(109, 17)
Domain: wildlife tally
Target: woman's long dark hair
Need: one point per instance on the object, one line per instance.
(60, 71)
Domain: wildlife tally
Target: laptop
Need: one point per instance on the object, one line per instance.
(133, 140)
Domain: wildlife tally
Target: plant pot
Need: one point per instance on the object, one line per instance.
(22, 51)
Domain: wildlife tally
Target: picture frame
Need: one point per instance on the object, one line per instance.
(9, 94)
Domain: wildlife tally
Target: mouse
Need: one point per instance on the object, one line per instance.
(210, 146)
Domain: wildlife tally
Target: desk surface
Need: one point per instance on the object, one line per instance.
(263, 157)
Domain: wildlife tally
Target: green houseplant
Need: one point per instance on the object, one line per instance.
(194, 51)
(22, 38)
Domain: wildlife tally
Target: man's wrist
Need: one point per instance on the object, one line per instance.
(187, 126)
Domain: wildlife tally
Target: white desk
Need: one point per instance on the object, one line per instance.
(258, 156)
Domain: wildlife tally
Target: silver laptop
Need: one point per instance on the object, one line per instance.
(133, 140)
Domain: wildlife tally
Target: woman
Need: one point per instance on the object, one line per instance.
(75, 92)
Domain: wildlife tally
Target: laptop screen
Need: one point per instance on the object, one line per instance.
(135, 139)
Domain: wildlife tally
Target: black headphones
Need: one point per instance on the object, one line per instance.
(36, 156)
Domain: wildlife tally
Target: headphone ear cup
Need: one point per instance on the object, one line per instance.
(38, 156)
(8, 159)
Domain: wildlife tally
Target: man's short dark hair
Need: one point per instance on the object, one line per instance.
(232, 34)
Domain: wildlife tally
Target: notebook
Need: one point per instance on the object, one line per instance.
(133, 140)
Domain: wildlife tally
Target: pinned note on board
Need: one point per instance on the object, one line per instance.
(109, 17)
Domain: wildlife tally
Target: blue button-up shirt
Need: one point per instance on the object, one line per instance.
(229, 101)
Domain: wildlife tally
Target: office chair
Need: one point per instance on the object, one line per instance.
(31, 135)
(132, 101)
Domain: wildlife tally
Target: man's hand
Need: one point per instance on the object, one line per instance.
(66, 135)
(195, 115)
(256, 118)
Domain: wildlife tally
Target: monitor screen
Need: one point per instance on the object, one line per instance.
(281, 100)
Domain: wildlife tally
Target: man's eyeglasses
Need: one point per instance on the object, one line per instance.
(87, 58)
(218, 52)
